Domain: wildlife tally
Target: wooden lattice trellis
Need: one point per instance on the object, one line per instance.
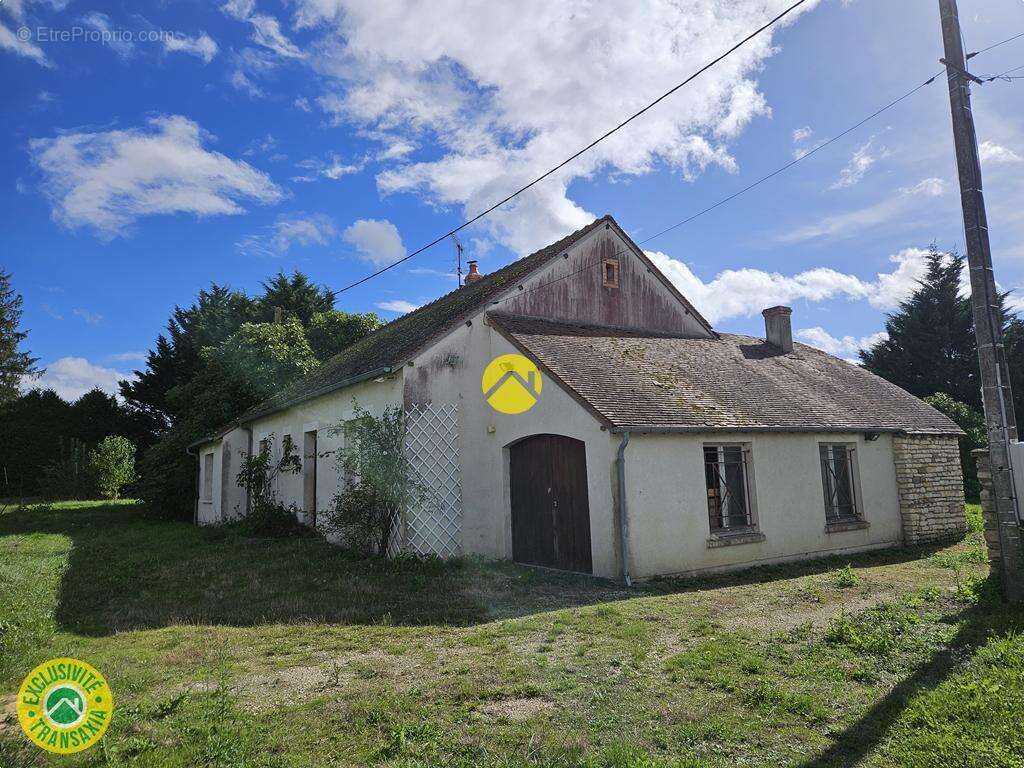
(434, 526)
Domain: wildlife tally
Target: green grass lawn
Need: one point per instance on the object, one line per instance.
(228, 651)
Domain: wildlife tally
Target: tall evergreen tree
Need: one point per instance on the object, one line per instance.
(216, 314)
(14, 362)
(296, 296)
(34, 426)
(219, 357)
(1013, 343)
(931, 346)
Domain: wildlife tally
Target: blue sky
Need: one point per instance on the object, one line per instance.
(154, 148)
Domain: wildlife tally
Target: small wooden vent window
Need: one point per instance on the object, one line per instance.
(610, 273)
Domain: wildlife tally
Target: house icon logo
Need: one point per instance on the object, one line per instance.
(64, 706)
(511, 384)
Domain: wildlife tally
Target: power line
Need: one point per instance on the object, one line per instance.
(774, 173)
(796, 160)
(575, 155)
(970, 56)
(1004, 75)
(745, 189)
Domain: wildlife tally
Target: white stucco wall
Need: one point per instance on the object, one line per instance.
(320, 414)
(668, 511)
(450, 371)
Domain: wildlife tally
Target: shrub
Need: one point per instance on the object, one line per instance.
(846, 577)
(167, 477)
(972, 422)
(379, 482)
(68, 476)
(112, 465)
(266, 515)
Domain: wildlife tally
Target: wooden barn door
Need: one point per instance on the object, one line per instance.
(550, 509)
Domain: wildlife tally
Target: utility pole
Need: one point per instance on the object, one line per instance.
(1000, 424)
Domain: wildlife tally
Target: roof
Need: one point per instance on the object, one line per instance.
(396, 342)
(639, 382)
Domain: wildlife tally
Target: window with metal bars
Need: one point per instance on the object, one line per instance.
(727, 476)
(837, 479)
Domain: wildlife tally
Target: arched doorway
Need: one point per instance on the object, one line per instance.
(550, 507)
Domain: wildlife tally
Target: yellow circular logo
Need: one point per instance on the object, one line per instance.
(64, 706)
(511, 384)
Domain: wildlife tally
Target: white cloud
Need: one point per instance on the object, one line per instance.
(261, 146)
(108, 179)
(854, 222)
(303, 105)
(203, 46)
(501, 114)
(114, 39)
(890, 288)
(16, 8)
(72, 377)
(128, 357)
(996, 154)
(377, 240)
(845, 346)
(332, 168)
(860, 163)
(248, 66)
(9, 41)
(745, 292)
(802, 134)
(91, 318)
(451, 275)
(266, 30)
(298, 228)
(397, 305)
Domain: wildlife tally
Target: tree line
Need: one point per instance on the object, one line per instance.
(228, 351)
(217, 358)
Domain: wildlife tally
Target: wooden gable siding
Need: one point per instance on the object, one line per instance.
(572, 289)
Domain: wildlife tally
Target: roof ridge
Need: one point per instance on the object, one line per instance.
(480, 285)
(400, 338)
(506, 318)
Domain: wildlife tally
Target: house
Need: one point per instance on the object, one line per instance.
(656, 445)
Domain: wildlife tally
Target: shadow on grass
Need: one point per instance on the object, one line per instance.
(128, 572)
(977, 625)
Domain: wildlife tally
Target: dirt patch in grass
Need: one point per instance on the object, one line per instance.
(9, 725)
(515, 709)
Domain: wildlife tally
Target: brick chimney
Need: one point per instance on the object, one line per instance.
(474, 274)
(778, 329)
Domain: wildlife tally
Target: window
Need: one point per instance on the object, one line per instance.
(727, 477)
(207, 477)
(610, 273)
(838, 465)
(309, 452)
(265, 446)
